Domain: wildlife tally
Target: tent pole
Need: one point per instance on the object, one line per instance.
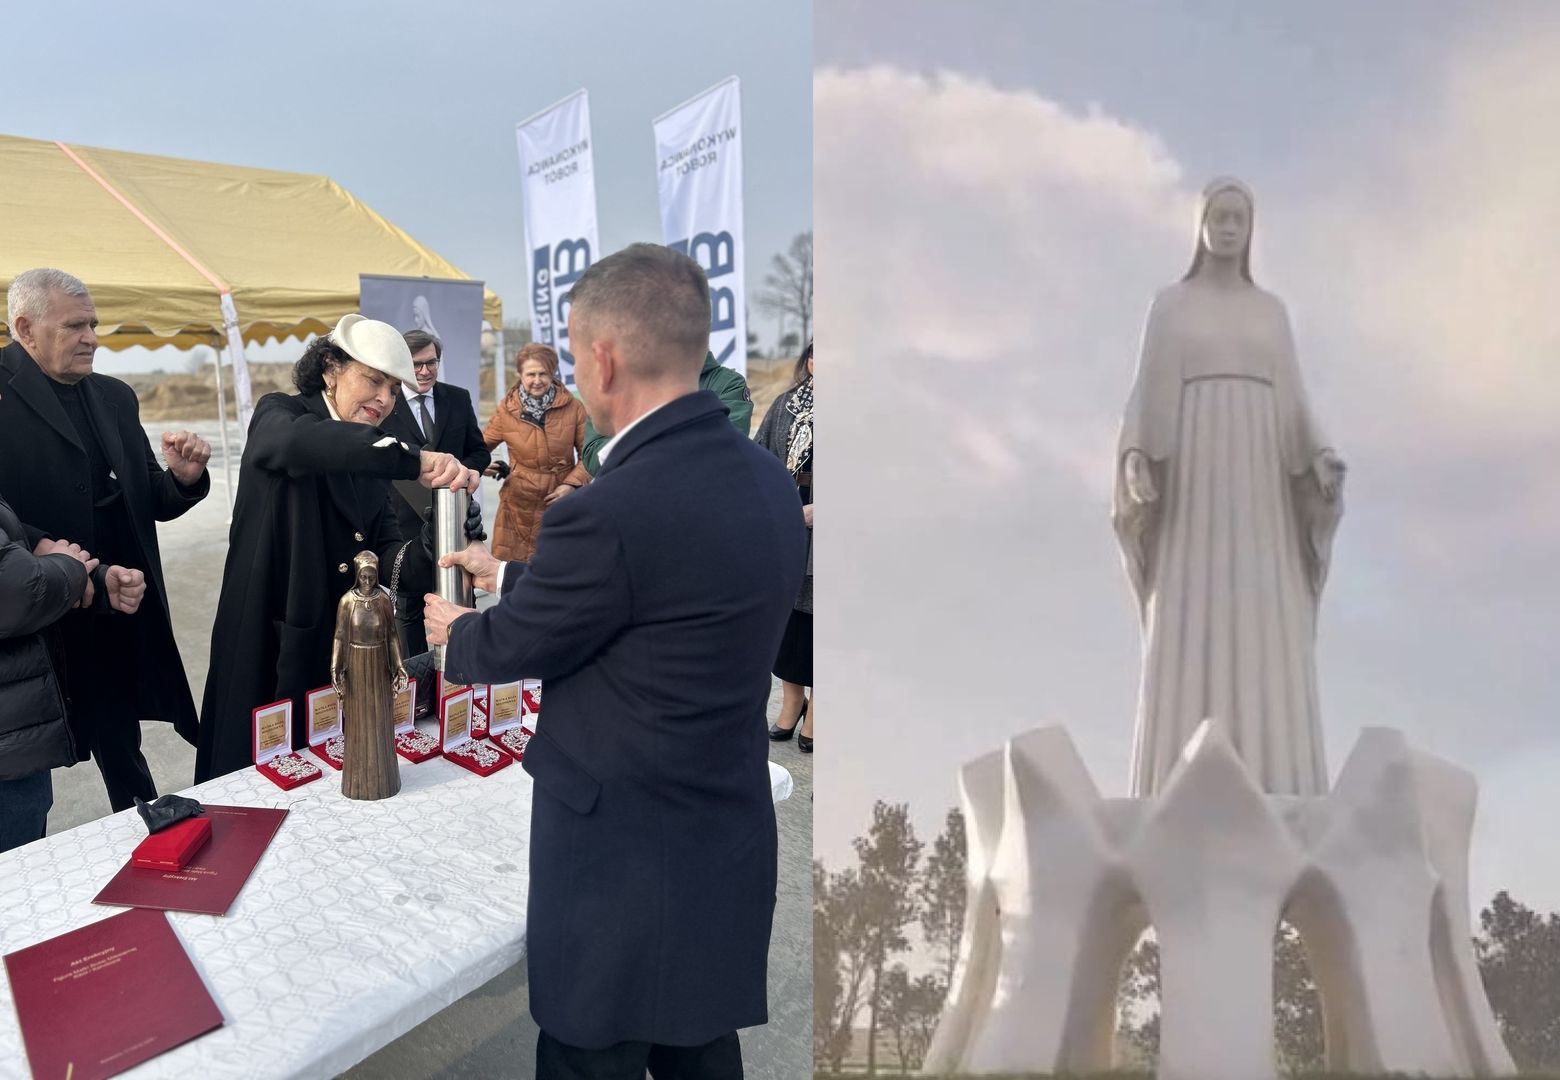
(500, 366)
(227, 460)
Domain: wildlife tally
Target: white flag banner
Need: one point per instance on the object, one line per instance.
(558, 186)
(698, 150)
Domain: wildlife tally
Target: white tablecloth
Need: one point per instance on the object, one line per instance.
(361, 920)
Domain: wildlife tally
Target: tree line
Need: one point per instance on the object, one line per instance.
(870, 975)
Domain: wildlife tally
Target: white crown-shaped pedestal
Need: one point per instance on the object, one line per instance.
(1062, 883)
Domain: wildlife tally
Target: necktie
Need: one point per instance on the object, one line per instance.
(424, 418)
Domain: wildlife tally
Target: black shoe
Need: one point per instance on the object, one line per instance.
(804, 743)
(783, 734)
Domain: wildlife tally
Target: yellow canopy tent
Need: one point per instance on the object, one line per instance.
(190, 253)
(155, 238)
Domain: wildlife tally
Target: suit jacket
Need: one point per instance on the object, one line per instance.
(44, 475)
(312, 493)
(653, 610)
(455, 431)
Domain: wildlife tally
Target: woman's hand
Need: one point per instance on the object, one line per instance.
(446, 471)
(1329, 469)
(1139, 478)
(557, 493)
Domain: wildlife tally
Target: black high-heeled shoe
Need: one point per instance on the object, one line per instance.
(804, 742)
(783, 734)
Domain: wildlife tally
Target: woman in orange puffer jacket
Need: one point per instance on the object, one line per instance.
(543, 425)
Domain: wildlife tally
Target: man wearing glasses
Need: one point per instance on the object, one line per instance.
(435, 416)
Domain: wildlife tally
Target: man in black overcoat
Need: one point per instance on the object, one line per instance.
(76, 465)
(432, 415)
(652, 611)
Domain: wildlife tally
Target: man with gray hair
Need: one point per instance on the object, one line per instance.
(652, 611)
(75, 464)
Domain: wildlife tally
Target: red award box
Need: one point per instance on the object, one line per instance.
(171, 848)
(456, 741)
(102, 999)
(274, 757)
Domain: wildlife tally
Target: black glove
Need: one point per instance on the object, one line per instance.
(474, 529)
(166, 811)
(501, 470)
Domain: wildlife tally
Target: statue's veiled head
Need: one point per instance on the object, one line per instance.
(366, 564)
(1226, 215)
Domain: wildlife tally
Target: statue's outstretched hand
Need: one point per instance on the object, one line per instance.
(1329, 469)
(1139, 478)
(398, 684)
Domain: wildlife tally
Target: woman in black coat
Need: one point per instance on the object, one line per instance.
(313, 491)
(787, 432)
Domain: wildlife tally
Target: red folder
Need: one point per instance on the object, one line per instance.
(212, 880)
(100, 1000)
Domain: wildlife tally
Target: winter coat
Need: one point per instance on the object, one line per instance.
(34, 592)
(44, 473)
(539, 460)
(774, 435)
(312, 493)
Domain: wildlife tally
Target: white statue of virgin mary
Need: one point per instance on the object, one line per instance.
(1227, 496)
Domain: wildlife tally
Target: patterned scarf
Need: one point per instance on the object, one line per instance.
(800, 440)
(535, 409)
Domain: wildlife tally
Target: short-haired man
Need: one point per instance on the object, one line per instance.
(652, 610)
(728, 384)
(76, 465)
(435, 416)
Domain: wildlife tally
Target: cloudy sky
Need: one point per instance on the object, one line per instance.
(412, 106)
(1000, 194)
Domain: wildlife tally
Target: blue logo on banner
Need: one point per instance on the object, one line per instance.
(717, 253)
(553, 271)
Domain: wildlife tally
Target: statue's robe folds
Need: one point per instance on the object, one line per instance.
(1228, 562)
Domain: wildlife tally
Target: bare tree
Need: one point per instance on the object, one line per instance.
(788, 287)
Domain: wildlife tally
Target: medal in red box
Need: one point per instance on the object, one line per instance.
(274, 756)
(504, 718)
(413, 745)
(456, 742)
(325, 737)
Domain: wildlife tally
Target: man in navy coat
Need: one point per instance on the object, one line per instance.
(652, 610)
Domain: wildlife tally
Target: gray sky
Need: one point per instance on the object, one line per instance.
(412, 106)
(1000, 193)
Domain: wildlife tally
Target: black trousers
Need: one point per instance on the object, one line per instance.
(102, 661)
(720, 1059)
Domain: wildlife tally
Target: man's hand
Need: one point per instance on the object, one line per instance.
(477, 561)
(557, 493)
(446, 471)
(186, 454)
(75, 551)
(126, 587)
(438, 614)
(807, 515)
